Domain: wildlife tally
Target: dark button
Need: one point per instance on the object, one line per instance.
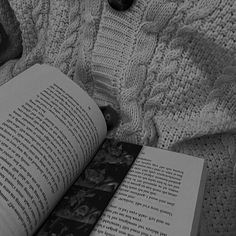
(111, 116)
(120, 5)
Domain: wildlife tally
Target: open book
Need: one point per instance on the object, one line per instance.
(49, 131)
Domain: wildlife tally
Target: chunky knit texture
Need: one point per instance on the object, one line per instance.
(168, 67)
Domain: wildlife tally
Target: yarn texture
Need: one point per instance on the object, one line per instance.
(167, 66)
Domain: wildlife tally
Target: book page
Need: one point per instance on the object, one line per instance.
(49, 130)
(160, 196)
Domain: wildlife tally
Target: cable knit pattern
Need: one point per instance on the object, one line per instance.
(113, 50)
(33, 19)
(91, 19)
(167, 66)
(164, 63)
(71, 36)
(190, 80)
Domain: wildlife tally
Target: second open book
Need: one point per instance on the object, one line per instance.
(49, 131)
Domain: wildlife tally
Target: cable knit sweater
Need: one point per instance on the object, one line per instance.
(167, 66)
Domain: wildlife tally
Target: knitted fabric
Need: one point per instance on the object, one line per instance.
(167, 66)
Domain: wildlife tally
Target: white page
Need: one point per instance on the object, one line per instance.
(49, 130)
(158, 197)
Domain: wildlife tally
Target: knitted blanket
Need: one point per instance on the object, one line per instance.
(167, 66)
